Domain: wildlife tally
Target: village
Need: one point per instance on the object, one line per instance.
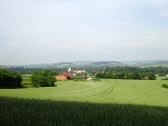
(73, 75)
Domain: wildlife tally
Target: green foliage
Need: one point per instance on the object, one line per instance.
(100, 75)
(164, 85)
(9, 79)
(79, 78)
(151, 76)
(136, 76)
(43, 79)
(165, 78)
(23, 112)
(126, 73)
(96, 79)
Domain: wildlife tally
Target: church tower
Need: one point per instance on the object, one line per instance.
(69, 69)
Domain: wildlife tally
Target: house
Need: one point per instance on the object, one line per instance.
(64, 76)
(89, 79)
(61, 78)
(79, 71)
(70, 74)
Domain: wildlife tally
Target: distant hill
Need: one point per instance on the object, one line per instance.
(147, 63)
(86, 64)
(107, 63)
(63, 64)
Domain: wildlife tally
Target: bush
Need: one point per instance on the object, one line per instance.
(165, 86)
(165, 79)
(152, 77)
(9, 79)
(96, 79)
(100, 75)
(43, 79)
(79, 78)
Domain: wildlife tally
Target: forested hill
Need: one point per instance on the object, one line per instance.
(91, 66)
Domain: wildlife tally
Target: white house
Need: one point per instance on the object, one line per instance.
(89, 79)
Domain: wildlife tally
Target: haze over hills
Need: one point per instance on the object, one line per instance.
(147, 63)
(144, 63)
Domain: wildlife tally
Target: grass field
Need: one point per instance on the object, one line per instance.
(26, 81)
(87, 103)
(105, 91)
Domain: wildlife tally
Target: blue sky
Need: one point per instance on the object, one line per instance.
(48, 31)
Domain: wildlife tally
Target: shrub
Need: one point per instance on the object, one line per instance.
(151, 76)
(165, 79)
(100, 75)
(165, 86)
(96, 79)
(43, 79)
(79, 78)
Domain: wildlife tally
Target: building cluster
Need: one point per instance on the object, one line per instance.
(70, 74)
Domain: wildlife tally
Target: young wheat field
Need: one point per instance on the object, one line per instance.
(73, 103)
(141, 92)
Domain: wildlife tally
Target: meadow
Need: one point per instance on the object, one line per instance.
(26, 80)
(74, 103)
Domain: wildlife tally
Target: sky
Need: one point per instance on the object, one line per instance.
(49, 31)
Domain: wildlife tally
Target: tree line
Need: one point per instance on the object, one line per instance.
(127, 73)
(9, 79)
(45, 77)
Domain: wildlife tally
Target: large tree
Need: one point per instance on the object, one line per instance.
(9, 79)
(43, 79)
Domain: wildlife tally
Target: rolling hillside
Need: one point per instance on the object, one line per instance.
(105, 91)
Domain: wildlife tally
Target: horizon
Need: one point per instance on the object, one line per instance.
(42, 32)
(120, 61)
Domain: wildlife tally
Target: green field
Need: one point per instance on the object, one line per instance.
(23, 112)
(106, 91)
(87, 103)
(26, 80)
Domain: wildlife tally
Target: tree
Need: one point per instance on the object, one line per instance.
(114, 76)
(43, 79)
(9, 79)
(108, 74)
(136, 76)
(151, 76)
(128, 75)
(120, 75)
(100, 75)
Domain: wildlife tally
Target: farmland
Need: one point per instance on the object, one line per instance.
(104, 102)
(19, 112)
(105, 91)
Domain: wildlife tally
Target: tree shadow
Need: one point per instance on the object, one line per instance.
(24, 112)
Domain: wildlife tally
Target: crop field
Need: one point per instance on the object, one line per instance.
(23, 112)
(73, 103)
(105, 91)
